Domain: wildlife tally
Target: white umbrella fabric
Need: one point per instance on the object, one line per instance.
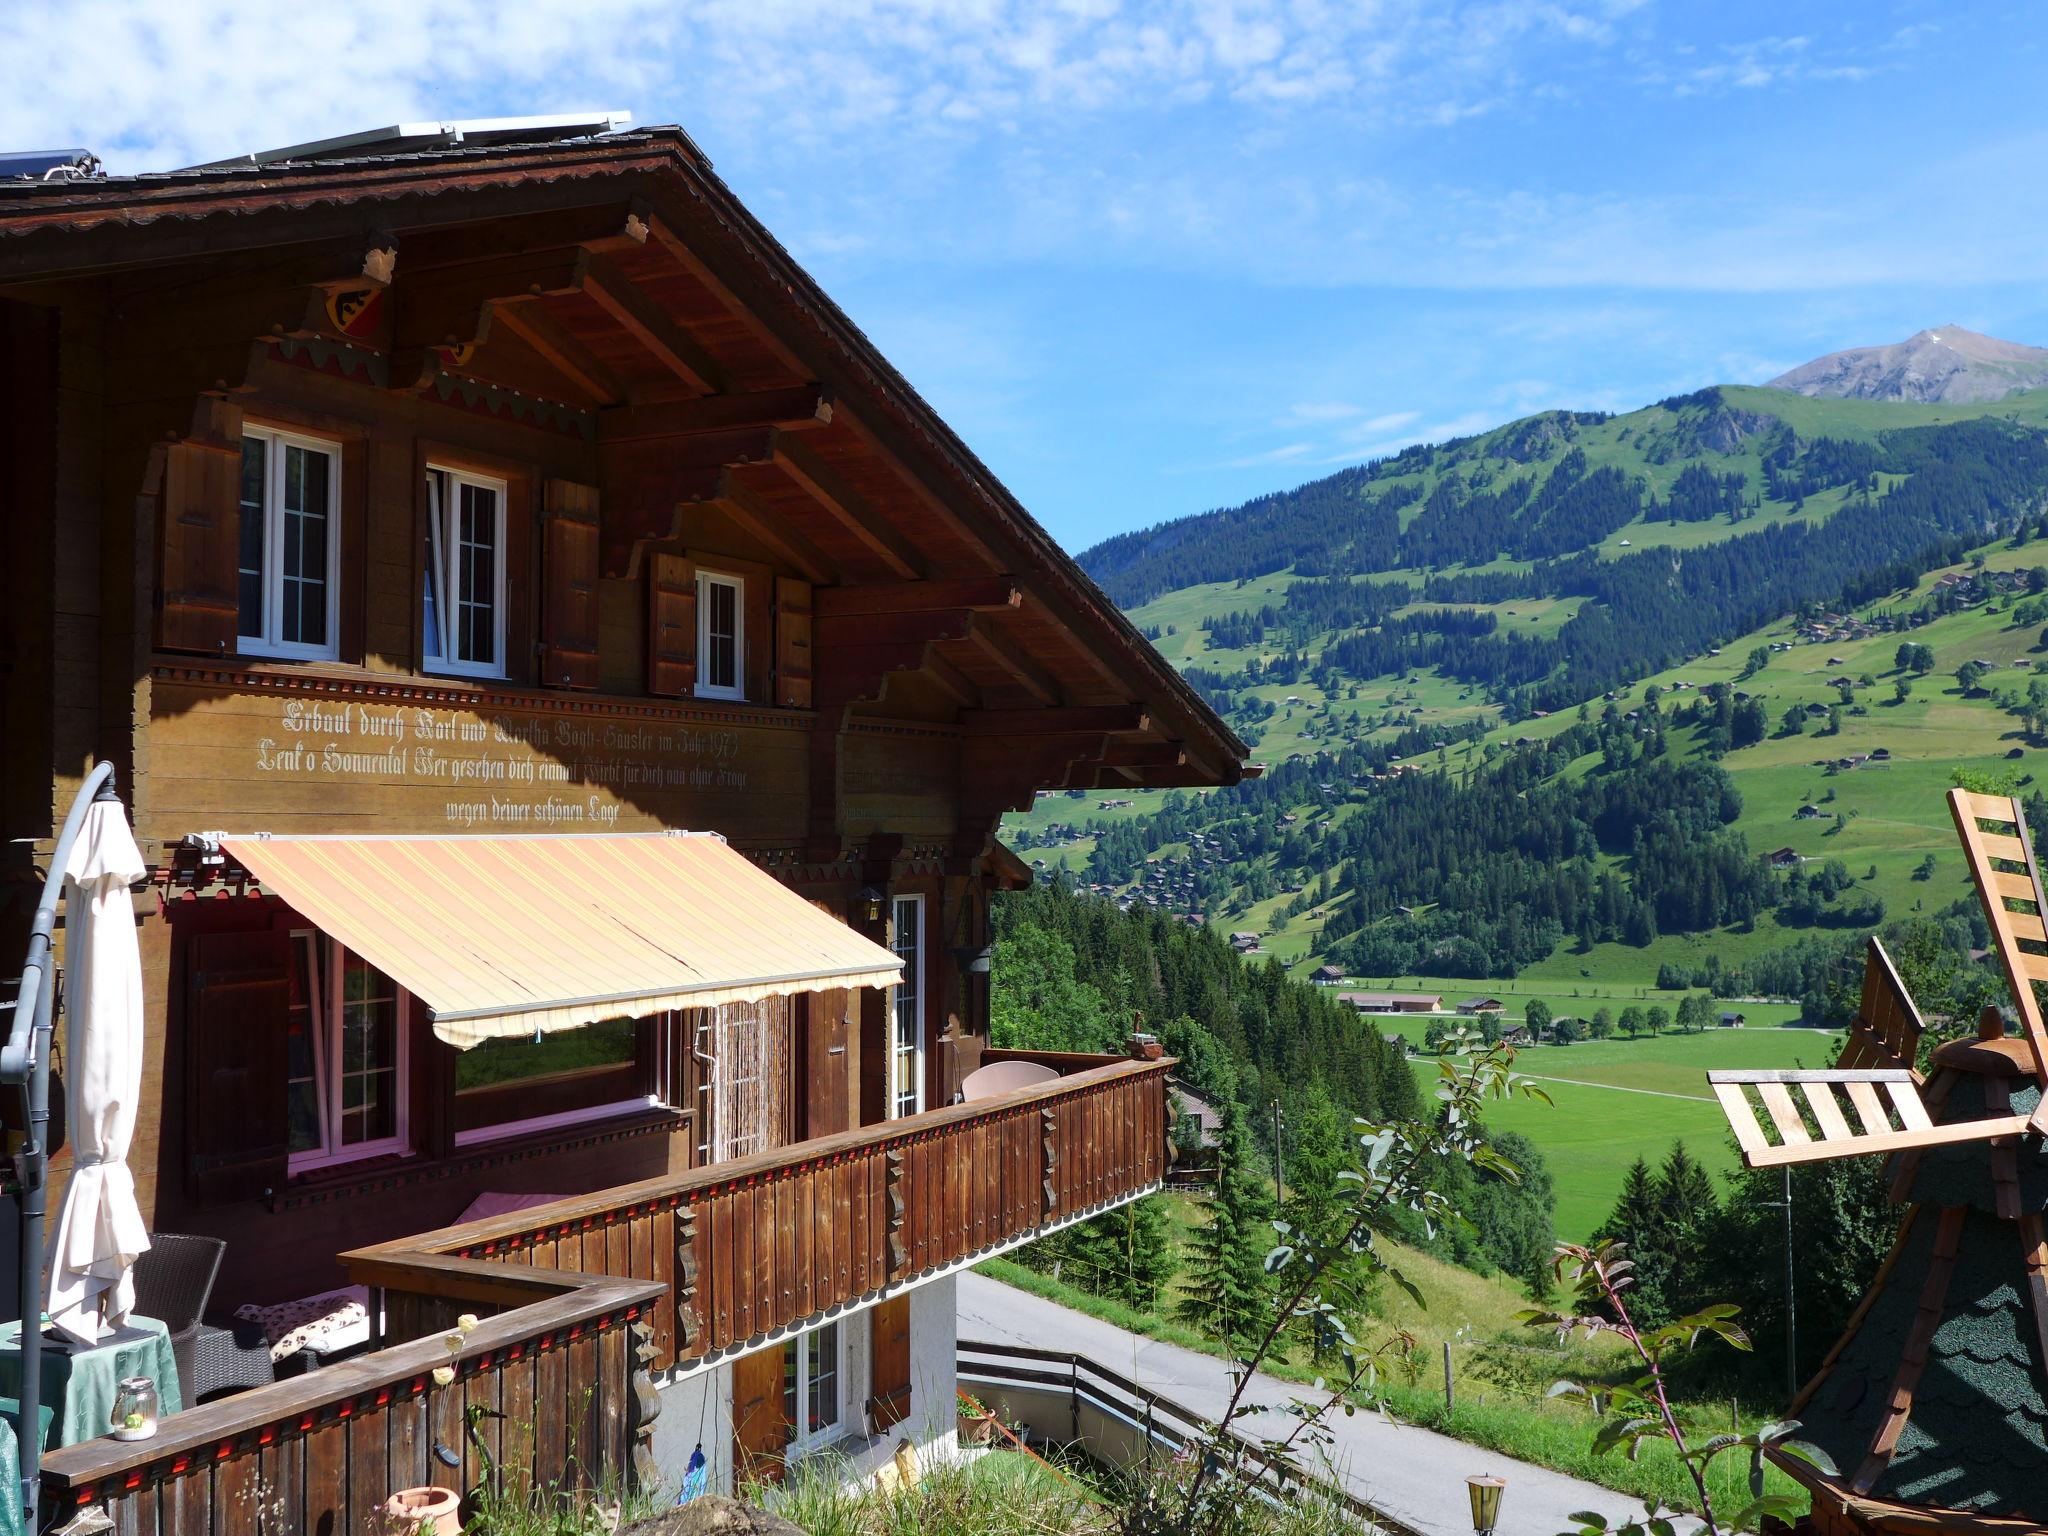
(100, 1230)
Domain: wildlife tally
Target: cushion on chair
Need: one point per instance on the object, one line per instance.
(330, 1321)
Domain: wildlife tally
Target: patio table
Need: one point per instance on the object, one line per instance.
(79, 1382)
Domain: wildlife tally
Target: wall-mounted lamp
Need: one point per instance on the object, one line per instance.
(1486, 1492)
(872, 899)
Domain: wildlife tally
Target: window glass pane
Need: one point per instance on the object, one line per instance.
(824, 1384)
(791, 1386)
(249, 592)
(303, 559)
(476, 576)
(302, 1078)
(502, 1081)
(369, 1053)
(905, 940)
(718, 658)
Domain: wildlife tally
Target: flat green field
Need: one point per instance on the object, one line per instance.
(1616, 1100)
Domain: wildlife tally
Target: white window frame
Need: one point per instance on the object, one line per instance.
(324, 1001)
(268, 643)
(802, 1437)
(706, 689)
(911, 990)
(441, 521)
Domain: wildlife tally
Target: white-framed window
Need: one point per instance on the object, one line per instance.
(813, 1368)
(289, 563)
(346, 1062)
(906, 1023)
(462, 587)
(721, 636)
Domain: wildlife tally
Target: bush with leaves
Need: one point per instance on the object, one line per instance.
(1640, 1409)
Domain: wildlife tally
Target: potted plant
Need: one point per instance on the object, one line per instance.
(976, 1424)
(430, 1510)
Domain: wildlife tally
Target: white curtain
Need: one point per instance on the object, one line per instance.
(99, 1230)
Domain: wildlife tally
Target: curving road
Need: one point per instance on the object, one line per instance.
(1416, 1475)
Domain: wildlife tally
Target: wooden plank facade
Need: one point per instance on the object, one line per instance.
(534, 490)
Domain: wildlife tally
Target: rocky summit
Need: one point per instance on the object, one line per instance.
(1946, 364)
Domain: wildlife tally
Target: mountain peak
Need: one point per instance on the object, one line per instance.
(1947, 363)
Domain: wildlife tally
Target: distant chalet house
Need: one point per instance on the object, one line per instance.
(1329, 975)
(1784, 858)
(566, 685)
(1244, 938)
(1518, 1036)
(1392, 1002)
(1733, 1021)
(1816, 709)
(1809, 813)
(1880, 754)
(1112, 805)
(1473, 1006)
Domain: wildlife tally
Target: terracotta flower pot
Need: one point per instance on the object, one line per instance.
(975, 1429)
(410, 1510)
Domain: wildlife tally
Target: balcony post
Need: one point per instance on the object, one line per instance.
(689, 1322)
(1049, 1162)
(899, 1253)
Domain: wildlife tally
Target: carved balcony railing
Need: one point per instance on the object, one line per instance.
(581, 1299)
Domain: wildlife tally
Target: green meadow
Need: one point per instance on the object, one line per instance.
(1613, 1101)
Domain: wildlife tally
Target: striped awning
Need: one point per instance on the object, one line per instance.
(504, 936)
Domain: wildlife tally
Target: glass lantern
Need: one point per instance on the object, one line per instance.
(135, 1409)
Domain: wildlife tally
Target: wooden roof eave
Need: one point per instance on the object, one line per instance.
(92, 228)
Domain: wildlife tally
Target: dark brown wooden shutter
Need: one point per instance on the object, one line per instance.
(236, 1002)
(889, 1368)
(568, 653)
(792, 643)
(671, 626)
(760, 1427)
(199, 519)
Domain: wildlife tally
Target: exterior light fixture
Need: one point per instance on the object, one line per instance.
(975, 959)
(872, 899)
(1485, 1492)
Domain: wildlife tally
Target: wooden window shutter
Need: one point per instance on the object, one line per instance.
(671, 626)
(236, 1008)
(568, 657)
(198, 489)
(889, 1363)
(760, 1428)
(792, 643)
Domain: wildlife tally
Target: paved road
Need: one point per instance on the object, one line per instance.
(1416, 1475)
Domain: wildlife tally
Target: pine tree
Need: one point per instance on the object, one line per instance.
(1636, 1222)
(1318, 1197)
(1224, 1291)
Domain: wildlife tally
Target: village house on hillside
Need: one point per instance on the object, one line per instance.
(565, 684)
(1392, 1002)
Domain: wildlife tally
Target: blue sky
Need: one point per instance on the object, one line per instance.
(1150, 258)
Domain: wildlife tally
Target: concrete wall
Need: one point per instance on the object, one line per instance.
(698, 1409)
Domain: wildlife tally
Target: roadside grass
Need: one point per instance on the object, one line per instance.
(1501, 1370)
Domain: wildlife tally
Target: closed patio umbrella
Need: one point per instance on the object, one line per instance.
(99, 1230)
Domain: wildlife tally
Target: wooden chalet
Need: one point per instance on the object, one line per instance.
(423, 532)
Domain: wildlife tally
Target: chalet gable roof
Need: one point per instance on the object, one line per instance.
(663, 250)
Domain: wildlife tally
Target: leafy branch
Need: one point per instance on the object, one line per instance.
(1640, 1409)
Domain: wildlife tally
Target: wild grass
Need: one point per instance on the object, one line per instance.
(999, 1494)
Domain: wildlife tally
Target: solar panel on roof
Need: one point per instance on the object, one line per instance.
(49, 164)
(408, 138)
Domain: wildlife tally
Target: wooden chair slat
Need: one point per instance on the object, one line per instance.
(2007, 883)
(2022, 969)
(1999, 845)
(1889, 1141)
(1990, 807)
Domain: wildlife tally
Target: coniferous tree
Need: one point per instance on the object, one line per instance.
(1223, 1290)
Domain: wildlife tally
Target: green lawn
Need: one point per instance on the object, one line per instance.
(1616, 1100)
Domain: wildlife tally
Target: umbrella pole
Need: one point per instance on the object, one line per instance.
(25, 1063)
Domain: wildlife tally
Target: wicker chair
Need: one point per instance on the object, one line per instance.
(173, 1281)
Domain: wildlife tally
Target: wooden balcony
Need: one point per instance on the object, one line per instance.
(580, 1300)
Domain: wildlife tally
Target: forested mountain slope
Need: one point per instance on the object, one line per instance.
(1506, 693)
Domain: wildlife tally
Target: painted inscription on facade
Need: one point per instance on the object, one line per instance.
(306, 762)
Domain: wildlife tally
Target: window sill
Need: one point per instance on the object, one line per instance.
(352, 1180)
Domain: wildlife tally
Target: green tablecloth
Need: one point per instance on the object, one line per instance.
(10, 1479)
(79, 1382)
